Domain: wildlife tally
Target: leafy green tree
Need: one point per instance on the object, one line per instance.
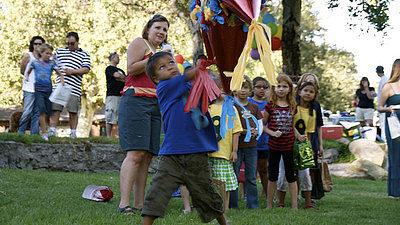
(104, 26)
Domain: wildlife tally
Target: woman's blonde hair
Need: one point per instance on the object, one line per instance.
(290, 96)
(395, 74)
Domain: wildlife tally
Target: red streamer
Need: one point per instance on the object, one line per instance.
(203, 88)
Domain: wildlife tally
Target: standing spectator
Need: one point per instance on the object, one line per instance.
(43, 86)
(247, 151)
(279, 114)
(383, 80)
(28, 87)
(315, 137)
(139, 114)
(74, 62)
(391, 96)
(115, 83)
(365, 106)
(260, 98)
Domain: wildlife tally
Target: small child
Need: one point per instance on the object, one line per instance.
(279, 116)
(247, 152)
(183, 155)
(304, 124)
(222, 171)
(43, 87)
(315, 138)
(260, 98)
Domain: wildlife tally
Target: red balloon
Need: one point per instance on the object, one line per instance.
(276, 44)
(179, 59)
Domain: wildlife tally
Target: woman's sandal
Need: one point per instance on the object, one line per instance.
(128, 210)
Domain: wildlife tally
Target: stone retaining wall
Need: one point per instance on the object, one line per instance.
(65, 157)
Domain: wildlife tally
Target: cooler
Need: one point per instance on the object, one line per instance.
(332, 132)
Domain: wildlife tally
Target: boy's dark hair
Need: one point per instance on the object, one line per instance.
(155, 18)
(150, 66)
(33, 39)
(379, 69)
(255, 80)
(73, 34)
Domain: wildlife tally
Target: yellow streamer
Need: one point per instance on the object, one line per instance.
(193, 14)
(256, 29)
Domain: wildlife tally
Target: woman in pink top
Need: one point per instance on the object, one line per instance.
(139, 115)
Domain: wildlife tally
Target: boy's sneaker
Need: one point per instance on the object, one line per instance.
(52, 133)
(73, 135)
(45, 137)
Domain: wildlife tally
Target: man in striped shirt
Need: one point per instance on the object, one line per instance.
(75, 62)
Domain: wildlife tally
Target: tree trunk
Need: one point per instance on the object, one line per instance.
(291, 38)
(85, 117)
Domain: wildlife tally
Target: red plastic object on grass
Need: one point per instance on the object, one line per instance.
(332, 132)
(204, 88)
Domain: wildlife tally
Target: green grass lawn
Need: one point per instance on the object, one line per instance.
(48, 197)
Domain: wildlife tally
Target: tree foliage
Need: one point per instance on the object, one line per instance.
(335, 68)
(374, 11)
(104, 26)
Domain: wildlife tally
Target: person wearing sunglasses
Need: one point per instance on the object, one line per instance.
(28, 88)
(74, 62)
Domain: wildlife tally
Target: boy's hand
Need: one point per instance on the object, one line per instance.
(233, 156)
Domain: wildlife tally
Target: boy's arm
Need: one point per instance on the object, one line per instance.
(59, 73)
(235, 144)
(191, 73)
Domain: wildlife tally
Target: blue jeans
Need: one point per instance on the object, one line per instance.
(29, 103)
(249, 157)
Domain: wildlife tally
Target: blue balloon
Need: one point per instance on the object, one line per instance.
(263, 2)
(268, 18)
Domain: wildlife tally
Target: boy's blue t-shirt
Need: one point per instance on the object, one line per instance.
(42, 73)
(181, 136)
(262, 142)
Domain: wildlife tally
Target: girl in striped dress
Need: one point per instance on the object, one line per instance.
(279, 115)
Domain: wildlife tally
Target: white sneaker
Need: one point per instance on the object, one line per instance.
(52, 133)
(72, 135)
(45, 137)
